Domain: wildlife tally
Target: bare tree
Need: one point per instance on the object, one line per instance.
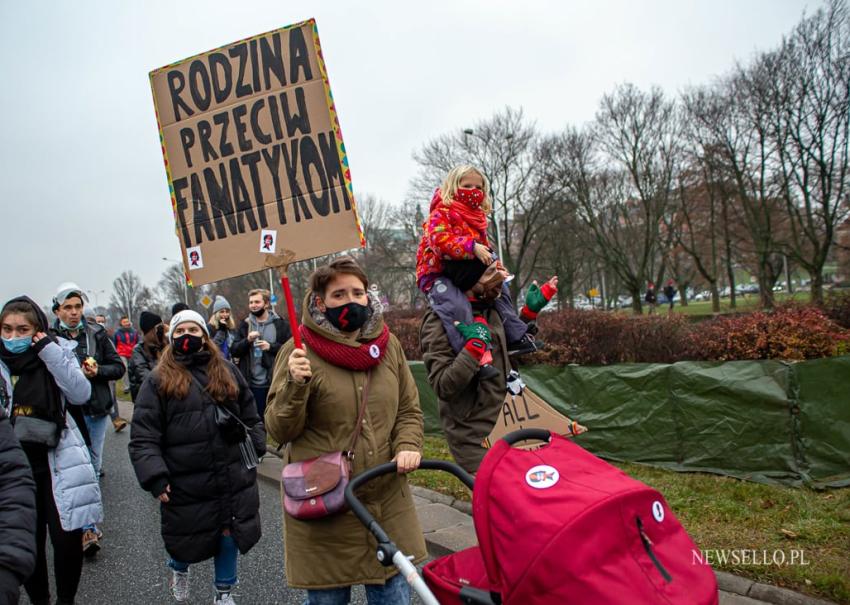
(390, 254)
(811, 131)
(129, 296)
(172, 287)
(639, 131)
(736, 121)
(702, 194)
(503, 147)
(618, 175)
(599, 196)
(567, 247)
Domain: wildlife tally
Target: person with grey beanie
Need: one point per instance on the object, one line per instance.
(222, 328)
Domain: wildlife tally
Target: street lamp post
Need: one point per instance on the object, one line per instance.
(509, 136)
(96, 294)
(184, 287)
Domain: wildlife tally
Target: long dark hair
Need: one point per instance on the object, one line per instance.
(174, 378)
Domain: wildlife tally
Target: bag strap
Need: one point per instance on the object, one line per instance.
(205, 394)
(349, 453)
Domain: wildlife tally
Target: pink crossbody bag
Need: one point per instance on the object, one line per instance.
(315, 488)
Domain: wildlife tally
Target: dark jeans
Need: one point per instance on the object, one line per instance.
(224, 563)
(260, 396)
(395, 592)
(451, 305)
(67, 548)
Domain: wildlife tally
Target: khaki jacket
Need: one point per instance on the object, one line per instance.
(318, 418)
(468, 409)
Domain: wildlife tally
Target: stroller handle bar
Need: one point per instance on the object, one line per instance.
(390, 467)
(388, 553)
(526, 434)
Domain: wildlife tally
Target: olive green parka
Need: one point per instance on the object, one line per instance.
(317, 418)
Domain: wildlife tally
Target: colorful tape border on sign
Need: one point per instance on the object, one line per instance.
(343, 156)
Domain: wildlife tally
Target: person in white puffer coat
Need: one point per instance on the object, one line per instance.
(43, 403)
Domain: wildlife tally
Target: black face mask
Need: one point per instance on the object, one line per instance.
(258, 312)
(160, 333)
(349, 317)
(186, 344)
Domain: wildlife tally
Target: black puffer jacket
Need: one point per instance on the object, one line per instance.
(109, 364)
(142, 363)
(177, 443)
(18, 521)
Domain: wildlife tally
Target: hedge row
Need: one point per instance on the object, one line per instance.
(791, 332)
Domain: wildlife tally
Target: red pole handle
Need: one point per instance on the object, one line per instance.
(290, 309)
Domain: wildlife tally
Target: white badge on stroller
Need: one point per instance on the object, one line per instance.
(542, 476)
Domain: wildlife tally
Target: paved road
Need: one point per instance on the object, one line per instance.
(130, 569)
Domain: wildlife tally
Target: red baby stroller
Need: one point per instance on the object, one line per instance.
(555, 525)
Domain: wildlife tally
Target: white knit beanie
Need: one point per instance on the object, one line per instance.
(183, 317)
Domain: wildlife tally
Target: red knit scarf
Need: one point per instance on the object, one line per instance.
(361, 358)
(474, 217)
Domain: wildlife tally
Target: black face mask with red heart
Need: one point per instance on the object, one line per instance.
(187, 344)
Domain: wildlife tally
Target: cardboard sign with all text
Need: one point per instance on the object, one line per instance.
(527, 411)
(254, 155)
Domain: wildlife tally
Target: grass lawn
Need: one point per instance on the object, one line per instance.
(748, 302)
(724, 513)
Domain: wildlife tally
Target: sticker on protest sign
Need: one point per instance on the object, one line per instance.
(196, 261)
(268, 241)
(252, 145)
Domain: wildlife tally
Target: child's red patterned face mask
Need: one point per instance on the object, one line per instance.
(471, 197)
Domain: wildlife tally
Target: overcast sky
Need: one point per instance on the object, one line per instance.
(83, 184)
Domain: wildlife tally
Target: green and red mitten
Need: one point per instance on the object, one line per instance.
(478, 337)
(536, 299)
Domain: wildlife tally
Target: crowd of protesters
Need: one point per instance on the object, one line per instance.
(204, 391)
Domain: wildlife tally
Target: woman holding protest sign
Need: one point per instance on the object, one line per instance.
(350, 390)
(194, 445)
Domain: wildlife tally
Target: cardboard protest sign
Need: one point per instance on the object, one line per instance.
(254, 154)
(527, 411)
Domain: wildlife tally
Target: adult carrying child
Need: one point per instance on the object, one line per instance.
(453, 254)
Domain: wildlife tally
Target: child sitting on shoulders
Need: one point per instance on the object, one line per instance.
(453, 254)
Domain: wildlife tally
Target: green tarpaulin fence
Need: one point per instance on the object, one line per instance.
(766, 421)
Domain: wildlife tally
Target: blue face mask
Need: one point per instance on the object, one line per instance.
(65, 326)
(17, 345)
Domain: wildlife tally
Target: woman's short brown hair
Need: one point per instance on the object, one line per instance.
(344, 265)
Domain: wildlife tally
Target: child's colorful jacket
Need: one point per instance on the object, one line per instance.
(449, 234)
